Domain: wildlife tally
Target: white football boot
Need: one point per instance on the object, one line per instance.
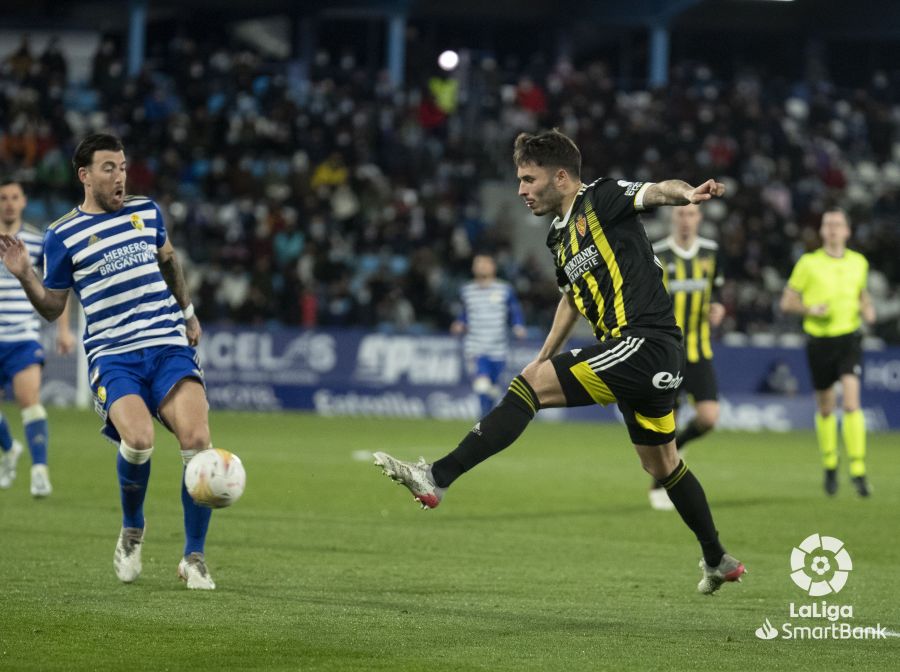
(8, 461)
(729, 569)
(193, 571)
(415, 476)
(127, 558)
(40, 481)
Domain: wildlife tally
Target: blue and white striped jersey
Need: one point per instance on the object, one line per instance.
(18, 319)
(488, 311)
(110, 261)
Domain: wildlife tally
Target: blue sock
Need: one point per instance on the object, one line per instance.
(487, 403)
(36, 432)
(133, 480)
(196, 522)
(5, 436)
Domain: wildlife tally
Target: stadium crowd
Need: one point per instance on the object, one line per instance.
(326, 197)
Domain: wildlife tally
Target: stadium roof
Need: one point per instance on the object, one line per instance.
(863, 18)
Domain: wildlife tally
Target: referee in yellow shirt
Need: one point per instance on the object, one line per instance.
(828, 287)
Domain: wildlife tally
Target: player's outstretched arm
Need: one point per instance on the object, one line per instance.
(172, 273)
(678, 192)
(48, 302)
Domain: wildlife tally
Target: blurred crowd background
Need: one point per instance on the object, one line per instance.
(332, 198)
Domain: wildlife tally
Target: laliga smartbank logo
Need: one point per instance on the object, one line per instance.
(820, 565)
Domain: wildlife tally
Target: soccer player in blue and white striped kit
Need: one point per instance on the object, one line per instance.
(21, 352)
(114, 253)
(489, 307)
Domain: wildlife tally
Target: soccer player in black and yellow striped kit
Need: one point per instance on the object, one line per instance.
(828, 288)
(692, 275)
(607, 273)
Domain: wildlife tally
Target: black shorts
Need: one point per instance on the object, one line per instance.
(831, 358)
(700, 381)
(640, 372)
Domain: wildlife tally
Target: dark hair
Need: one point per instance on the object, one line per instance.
(550, 149)
(95, 142)
(8, 181)
(836, 209)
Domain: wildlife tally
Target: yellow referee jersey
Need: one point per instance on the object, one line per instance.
(836, 282)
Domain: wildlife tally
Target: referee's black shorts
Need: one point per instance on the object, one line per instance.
(833, 357)
(700, 381)
(641, 372)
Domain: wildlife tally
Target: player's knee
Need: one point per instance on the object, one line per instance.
(138, 437)
(826, 410)
(707, 418)
(660, 463)
(139, 441)
(28, 398)
(542, 379)
(194, 438)
(825, 406)
(851, 406)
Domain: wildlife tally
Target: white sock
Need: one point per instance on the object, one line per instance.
(133, 456)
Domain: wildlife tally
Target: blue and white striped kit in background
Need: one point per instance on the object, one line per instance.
(488, 311)
(110, 261)
(18, 320)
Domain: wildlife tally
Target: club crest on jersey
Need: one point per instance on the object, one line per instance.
(581, 225)
(93, 239)
(137, 222)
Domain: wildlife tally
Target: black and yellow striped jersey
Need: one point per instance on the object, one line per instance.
(692, 277)
(604, 258)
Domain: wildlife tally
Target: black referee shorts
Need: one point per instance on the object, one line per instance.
(700, 381)
(641, 372)
(833, 357)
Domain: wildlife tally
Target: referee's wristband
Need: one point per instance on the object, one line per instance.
(188, 312)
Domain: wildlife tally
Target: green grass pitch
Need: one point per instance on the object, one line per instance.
(547, 557)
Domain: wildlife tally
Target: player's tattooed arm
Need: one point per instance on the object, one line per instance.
(173, 274)
(678, 192)
(48, 302)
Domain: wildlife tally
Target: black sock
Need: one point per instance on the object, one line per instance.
(689, 433)
(493, 433)
(689, 499)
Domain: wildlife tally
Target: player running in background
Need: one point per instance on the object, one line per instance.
(21, 352)
(489, 307)
(607, 273)
(828, 288)
(114, 252)
(692, 276)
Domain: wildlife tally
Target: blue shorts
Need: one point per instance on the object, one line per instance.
(150, 373)
(487, 366)
(18, 356)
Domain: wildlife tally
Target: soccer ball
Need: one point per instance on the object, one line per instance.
(215, 478)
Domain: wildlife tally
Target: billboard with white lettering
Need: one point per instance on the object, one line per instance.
(351, 372)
